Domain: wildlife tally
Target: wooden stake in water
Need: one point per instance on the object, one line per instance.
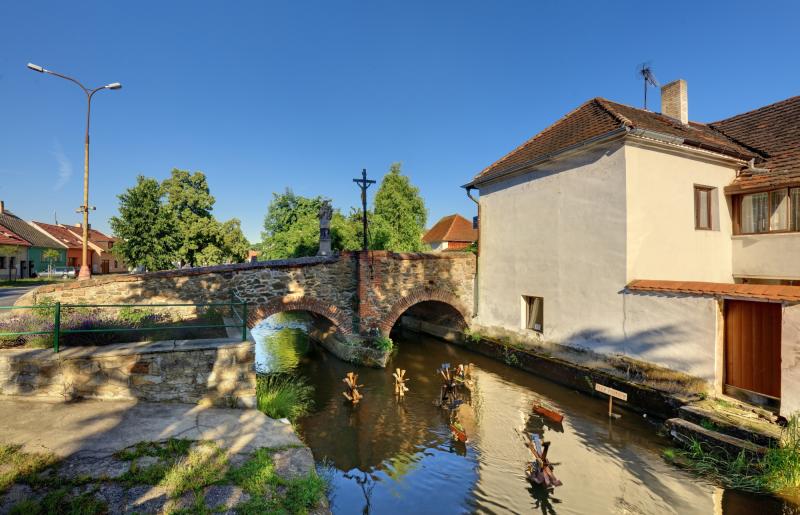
(352, 394)
(400, 381)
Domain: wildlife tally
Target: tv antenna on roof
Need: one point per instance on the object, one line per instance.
(646, 73)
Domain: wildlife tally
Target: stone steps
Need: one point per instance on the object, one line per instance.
(715, 422)
(686, 432)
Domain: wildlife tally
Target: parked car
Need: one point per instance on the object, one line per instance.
(64, 272)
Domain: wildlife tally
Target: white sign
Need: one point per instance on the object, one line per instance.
(612, 392)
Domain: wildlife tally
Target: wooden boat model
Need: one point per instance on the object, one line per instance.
(457, 432)
(540, 470)
(547, 411)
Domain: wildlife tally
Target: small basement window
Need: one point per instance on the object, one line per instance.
(533, 313)
(703, 199)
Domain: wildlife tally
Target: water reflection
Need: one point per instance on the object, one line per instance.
(397, 456)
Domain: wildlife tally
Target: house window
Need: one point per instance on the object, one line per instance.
(534, 313)
(769, 211)
(2, 261)
(703, 196)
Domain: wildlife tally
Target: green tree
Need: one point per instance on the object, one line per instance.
(399, 215)
(232, 242)
(291, 226)
(190, 202)
(146, 230)
(51, 255)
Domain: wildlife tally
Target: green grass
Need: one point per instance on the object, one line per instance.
(16, 465)
(59, 502)
(709, 425)
(284, 396)
(778, 471)
(257, 477)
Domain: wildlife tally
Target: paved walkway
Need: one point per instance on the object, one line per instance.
(97, 428)
(9, 295)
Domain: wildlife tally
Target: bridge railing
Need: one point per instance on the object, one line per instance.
(46, 320)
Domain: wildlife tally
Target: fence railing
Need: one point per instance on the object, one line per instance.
(58, 331)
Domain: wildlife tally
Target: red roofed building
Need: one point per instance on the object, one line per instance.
(626, 231)
(13, 252)
(452, 232)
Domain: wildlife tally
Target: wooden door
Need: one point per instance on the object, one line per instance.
(104, 266)
(753, 346)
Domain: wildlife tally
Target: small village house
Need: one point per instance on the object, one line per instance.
(101, 258)
(13, 254)
(452, 232)
(38, 244)
(630, 232)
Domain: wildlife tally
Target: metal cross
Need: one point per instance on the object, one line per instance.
(364, 183)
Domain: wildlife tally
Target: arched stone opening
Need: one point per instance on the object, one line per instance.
(300, 303)
(432, 305)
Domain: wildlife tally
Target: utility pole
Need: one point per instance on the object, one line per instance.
(364, 184)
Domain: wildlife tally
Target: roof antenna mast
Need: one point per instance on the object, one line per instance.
(646, 73)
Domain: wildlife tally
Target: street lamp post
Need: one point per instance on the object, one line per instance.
(86, 271)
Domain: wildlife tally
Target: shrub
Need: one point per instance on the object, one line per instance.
(284, 395)
(136, 316)
(472, 336)
(384, 343)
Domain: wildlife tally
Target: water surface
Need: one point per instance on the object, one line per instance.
(387, 455)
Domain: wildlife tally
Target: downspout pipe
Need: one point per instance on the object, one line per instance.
(477, 257)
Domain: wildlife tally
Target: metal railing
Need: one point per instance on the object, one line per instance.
(58, 331)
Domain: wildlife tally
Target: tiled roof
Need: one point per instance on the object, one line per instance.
(7, 237)
(599, 117)
(26, 231)
(60, 233)
(766, 292)
(451, 228)
(773, 131)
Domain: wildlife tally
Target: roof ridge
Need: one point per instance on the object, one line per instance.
(604, 104)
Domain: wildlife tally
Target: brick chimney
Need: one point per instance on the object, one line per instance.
(675, 101)
(2, 207)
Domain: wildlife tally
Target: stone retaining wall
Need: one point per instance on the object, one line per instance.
(218, 372)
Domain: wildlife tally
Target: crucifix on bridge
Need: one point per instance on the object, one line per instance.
(364, 183)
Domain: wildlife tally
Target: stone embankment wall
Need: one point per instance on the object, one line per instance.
(212, 372)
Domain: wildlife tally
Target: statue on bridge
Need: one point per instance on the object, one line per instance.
(325, 215)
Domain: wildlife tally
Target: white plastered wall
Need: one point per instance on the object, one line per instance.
(662, 240)
(790, 360)
(558, 233)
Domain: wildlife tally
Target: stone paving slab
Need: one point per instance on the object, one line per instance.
(100, 428)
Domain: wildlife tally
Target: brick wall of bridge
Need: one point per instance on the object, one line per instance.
(360, 292)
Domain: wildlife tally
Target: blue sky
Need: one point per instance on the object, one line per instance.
(267, 95)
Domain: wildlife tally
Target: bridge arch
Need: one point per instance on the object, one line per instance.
(419, 295)
(276, 305)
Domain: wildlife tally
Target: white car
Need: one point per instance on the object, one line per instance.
(64, 272)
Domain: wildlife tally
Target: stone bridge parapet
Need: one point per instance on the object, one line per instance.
(362, 293)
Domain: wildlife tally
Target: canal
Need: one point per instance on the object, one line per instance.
(397, 456)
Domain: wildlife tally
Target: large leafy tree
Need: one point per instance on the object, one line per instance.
(232, 242)
(291, 226)
(145, 228)
(399, 215)
(189, 202)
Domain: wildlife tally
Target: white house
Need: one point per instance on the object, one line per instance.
(626, 231)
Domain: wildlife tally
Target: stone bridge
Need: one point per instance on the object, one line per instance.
(362, 293)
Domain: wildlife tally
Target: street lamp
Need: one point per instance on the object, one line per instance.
(86, 272)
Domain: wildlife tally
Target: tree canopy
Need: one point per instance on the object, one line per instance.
(161, 226)
(396, 221)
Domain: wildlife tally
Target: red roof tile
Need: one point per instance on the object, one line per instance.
(8, 237)
(451, 228)
(599, 117)
(766, 292)
(61, 233)
(774, 132)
